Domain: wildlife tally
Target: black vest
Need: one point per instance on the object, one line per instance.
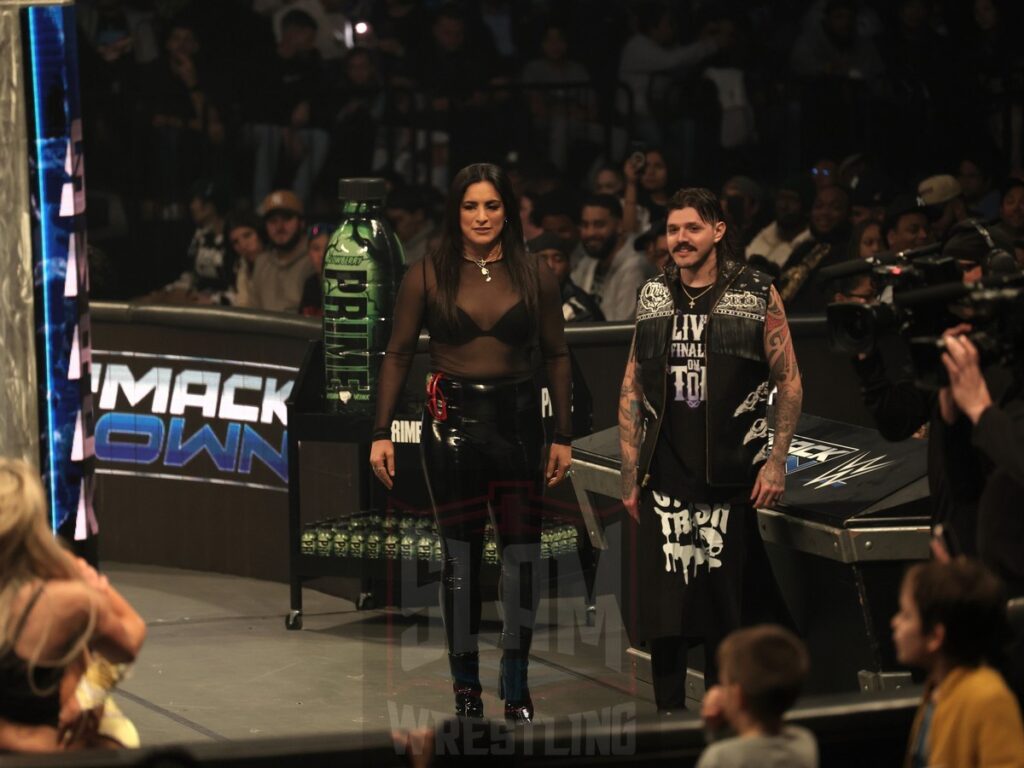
(737, 371)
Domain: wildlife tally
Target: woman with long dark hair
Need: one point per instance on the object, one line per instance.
(487, 304)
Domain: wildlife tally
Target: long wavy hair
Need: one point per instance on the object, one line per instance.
(29, 553)
(449, 254)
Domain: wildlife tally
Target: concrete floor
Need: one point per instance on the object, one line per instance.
(219, 665)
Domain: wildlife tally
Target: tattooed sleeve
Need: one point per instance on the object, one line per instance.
(778, 347)
(630, 421)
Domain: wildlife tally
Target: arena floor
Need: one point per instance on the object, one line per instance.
(219, 665)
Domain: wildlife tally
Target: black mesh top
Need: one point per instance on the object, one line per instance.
(494, 338)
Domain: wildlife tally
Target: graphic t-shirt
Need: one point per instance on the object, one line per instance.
(691, 540)
(682, 450)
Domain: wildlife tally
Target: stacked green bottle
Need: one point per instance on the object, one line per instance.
(361, 271)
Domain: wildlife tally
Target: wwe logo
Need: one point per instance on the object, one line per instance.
(855, 466)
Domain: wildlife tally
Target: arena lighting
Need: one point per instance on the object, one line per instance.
(362, 27)
(45, 261)
(60, 264)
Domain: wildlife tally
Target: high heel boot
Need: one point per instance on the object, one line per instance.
(514, 690)
(465, 668)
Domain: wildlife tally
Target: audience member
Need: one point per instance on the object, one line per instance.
(1011, 211)
(741, 200)
(328, 41)
(867, 199)
(556, 212)
(608, 180)
(824, 173)
(408, 211)
(653, 244)
(777, 240)
(906, 224)
(568, 111)
(611, 271)
(857, 289)
(762, 670)
(280, 274)
(653, 49)
(245, 243)
(357, 106)
(835, 48)
(185, 124)
(950, 615)
(312, 302)
(977, 182)
(646, 191)
(211, 273)
(283, 113)
(528, 216)
(57, 613)
(578, 306)
(865, 240)
(827, 245)
(944, 201)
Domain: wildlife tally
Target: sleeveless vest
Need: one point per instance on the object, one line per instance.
(736, 430)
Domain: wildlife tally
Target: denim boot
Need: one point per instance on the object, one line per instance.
(465, 669)
(513, 687)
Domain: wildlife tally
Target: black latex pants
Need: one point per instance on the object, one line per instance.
(485, 459)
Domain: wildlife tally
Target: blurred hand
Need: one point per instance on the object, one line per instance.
(632, 504)
(559, 461)
(712, 708)
(382, 462)
(967, 386)
(770, 484)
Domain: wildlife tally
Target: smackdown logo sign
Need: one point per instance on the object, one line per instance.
(192, 419)
(805, 453)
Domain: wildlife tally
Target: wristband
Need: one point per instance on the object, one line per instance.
(382, 434)
(561, 438)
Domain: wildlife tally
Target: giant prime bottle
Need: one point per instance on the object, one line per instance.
(361, 270)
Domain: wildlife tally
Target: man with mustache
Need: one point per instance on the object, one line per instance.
(611, 270)
(711, 340)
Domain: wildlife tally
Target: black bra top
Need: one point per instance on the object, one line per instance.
(19, 703)
(513, 328)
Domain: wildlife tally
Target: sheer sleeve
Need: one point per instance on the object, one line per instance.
(410, 307)
(555, 352)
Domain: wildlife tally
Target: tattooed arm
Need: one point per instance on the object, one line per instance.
(778, 348)
(631, 431)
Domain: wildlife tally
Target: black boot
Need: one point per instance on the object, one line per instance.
(513, 688)
(465, 669)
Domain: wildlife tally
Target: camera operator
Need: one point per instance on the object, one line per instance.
(997, 433)
(958, 473)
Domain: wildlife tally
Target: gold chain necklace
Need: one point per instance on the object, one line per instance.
(693, 299)
(482, 263)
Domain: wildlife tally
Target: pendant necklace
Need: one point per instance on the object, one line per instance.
(693, 299)
(482, 263)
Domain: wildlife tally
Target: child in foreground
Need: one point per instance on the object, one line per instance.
(950, 615)
(762, 670)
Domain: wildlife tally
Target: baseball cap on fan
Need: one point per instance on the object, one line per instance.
(281, 200)
(938, 190)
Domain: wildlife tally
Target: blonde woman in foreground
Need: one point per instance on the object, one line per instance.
(59, 621)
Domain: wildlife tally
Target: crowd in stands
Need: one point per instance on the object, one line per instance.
(834, 130)
(226, 101)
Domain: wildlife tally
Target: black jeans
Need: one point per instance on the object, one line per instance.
(484, 458)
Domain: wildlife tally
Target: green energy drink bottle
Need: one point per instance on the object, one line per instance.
(361, 271)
